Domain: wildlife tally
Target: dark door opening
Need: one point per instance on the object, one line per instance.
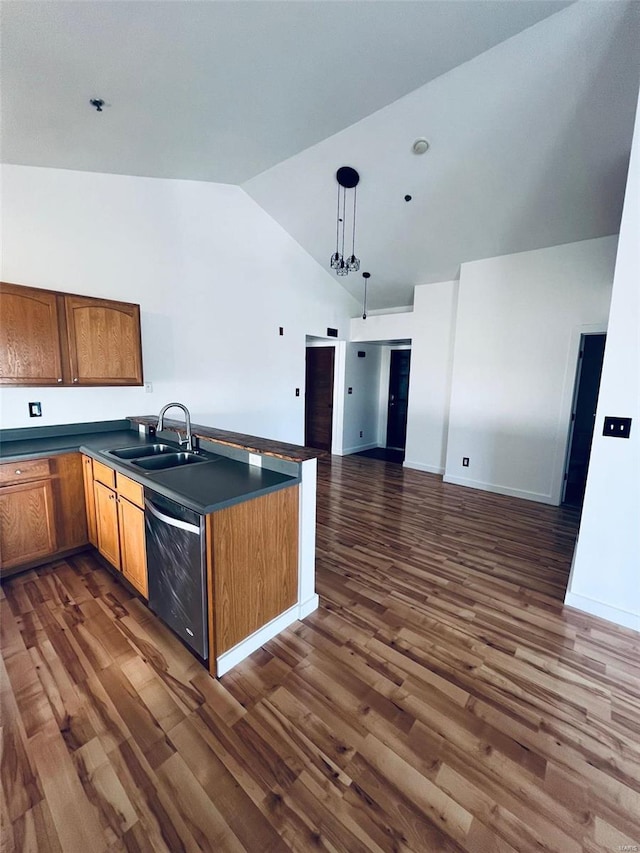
(398, 398)
(318, 405)
(585, 401)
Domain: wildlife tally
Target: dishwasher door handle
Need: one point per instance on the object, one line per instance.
(173, 522)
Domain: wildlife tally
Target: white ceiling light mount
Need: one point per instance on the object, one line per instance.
(420, 146)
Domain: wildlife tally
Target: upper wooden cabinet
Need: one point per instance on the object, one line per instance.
(104, 341)
(50, 338)
(30, 352)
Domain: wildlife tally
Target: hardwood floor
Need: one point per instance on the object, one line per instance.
(441, 699)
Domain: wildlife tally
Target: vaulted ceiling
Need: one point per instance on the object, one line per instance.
(528, 107)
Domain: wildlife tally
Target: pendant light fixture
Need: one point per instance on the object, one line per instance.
(366, 276)
(347, 179)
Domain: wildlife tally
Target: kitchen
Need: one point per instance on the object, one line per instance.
(228, 297)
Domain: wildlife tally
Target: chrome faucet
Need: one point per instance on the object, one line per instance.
(187, 417)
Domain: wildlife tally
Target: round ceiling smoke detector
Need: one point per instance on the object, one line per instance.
(420, 146)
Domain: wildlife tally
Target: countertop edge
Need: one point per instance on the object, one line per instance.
(241, 441)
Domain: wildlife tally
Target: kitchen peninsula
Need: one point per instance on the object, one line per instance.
(255, 499)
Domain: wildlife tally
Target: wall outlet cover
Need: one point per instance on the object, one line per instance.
(617, 427)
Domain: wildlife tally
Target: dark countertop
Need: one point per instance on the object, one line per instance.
(34, 448)
(204, 487)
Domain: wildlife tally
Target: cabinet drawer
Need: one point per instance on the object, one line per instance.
(18, 472)
(104, 474)
(130, 490)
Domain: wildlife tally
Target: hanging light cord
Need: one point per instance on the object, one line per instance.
(353, 245)
(338, 223)
(366, 276)
(344, 205)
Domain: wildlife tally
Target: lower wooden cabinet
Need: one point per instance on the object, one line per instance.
(27, 523)
(42, 511)
(89, 499)
(133, 555)
(119, 522)
(107, 523)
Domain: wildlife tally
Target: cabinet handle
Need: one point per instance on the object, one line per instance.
(59, 378)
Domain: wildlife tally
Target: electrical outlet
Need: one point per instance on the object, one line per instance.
(281, 330)
(617, 427)
(148, 387)
(360, 433)
(465, 461)
(297, 392)
(35, 410)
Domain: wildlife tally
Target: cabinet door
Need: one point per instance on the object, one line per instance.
(27, 529)
(30, 351)
(107, 524)
(104, 341)
(132, 545)
(89, 499)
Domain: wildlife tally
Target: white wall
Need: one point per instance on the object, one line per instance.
(605, 579)
(430, 379)
(361, 407)
(516, 343)
(215, 277)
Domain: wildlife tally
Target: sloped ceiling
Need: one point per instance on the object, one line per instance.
(530, 146)
(528, 107)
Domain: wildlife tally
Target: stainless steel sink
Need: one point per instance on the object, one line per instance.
(170, 460)
(141, 451)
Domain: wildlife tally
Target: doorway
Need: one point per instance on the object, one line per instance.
(585, 400)
(398, 398)
(318, 401)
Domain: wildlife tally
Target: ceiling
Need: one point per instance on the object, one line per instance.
(528, 106)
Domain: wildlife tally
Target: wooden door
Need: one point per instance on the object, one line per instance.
(27, 527)
(132, 545)
(107, 524)
(104, 341)
(318, 421)
(30, 351)
(398, 398)
(90, 499)
(583, 417)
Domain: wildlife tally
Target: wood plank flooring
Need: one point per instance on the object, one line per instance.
(441, 699)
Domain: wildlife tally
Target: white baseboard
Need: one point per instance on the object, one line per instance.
(604, 611)
(307, 607)
(501, 490)
(419, 466)
(242, 650)
(347, 451)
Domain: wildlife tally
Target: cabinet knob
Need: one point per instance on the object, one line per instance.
(18, 471)
(75, 379)
(59, 378)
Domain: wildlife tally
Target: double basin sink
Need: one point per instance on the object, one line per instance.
(158, 457)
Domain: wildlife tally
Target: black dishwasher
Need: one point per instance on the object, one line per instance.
(176, 567)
